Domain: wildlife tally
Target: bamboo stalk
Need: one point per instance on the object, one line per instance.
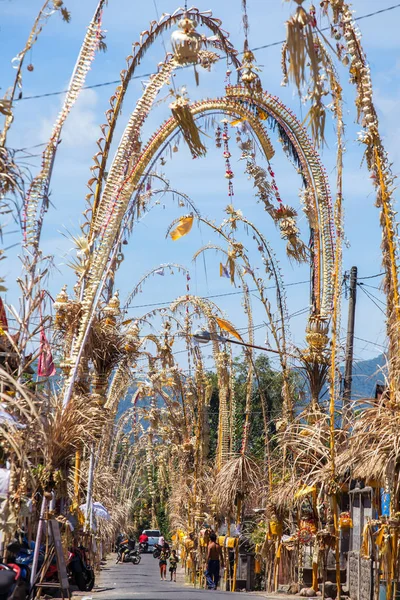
(77, 475)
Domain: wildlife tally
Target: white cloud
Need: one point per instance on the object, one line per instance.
(81, 128)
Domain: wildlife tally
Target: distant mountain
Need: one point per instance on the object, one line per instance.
(366, 374)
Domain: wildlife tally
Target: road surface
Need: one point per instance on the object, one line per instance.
(142, 582)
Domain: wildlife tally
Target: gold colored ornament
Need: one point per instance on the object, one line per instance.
(61, 307)
(61, 299)
(248, 72)
(317, 337)
(112, 310)
(186, 42)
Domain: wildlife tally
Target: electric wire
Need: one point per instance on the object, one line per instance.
(374, 297)
(372, 276)
(272, 287)
(144, 75)
(372, 300)
(369, 342)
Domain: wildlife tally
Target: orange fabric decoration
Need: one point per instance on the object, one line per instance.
(183, 228)
(228, 327)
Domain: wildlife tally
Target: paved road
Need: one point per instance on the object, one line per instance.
(142, 582)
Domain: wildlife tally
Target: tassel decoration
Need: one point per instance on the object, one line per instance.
(295, 249)
(183, 116)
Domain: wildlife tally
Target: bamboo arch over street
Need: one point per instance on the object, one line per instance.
(245, 104)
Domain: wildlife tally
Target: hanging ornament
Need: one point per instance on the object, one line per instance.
(186, 42)
(227, 155)
(228, 74)
(274, 187)
(286, 218)
(218, 133)
(30, 68)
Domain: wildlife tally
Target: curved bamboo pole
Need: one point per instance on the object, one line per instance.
(309, 160)
(147, 38)
(40, 21)
(39, 188)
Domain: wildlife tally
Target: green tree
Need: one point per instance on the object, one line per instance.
(267, 388)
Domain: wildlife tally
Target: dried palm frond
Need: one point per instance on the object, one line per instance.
(373, 449)
(300, 46)
(285, 216)
(106, 346)
(238, 477)
(307, 440)
(10, 177)
(68, 428)
(316, 373)
(140, 48)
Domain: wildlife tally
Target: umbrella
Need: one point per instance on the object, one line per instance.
(98, 510)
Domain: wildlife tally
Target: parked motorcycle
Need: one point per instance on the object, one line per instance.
(79, 569)
(126, 555)
(20, 553)
(158, 548)
(143, 547)
(9, 579)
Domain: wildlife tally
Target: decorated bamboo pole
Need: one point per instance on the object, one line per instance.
(336, 327)
(77, 476)
(89, 493)
(235, 565)
(49, 7)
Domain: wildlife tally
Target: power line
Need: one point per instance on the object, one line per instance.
(369, 295)
(271, 287)
(373, 287)
(373, 276)
(369, 342)
(256, 49)
(375, 297)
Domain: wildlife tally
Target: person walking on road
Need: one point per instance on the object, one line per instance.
(173, 562)
(163, 564)
(214, 560)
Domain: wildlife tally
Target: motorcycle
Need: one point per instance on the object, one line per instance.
(143, 547)
(80, 571)
(9, 580)
(20, 553)
(126, 555)
(158, 548)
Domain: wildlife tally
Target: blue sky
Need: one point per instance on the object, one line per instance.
(53, 58)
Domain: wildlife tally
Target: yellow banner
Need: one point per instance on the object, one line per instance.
(184, 226)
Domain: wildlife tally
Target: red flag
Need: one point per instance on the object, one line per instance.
(3, 318)
(46, 366)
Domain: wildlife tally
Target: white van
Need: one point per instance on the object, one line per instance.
(153, 535)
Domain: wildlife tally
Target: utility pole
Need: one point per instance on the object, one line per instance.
(348, 373)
